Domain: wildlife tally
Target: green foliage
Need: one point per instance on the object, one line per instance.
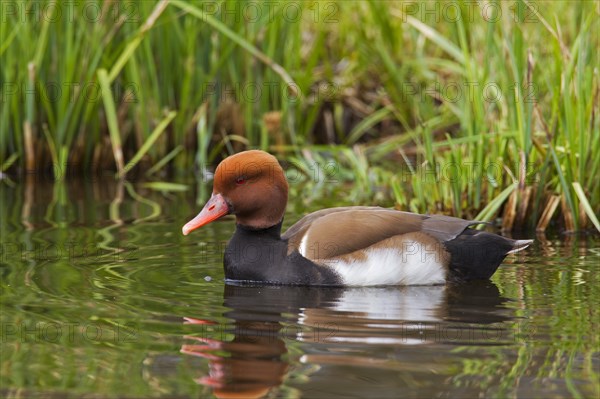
(480, 100)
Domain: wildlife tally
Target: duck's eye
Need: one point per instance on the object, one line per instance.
(240, 180)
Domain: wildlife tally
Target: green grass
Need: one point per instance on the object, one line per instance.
(467, 108)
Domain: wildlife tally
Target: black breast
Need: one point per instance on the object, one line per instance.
(261, 256)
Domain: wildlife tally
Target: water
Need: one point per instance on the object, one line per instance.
(103, 297)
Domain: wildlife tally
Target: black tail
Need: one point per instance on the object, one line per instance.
(475, 255)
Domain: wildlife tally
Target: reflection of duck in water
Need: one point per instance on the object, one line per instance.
(254, 363)
(404, 315)
(255, 360)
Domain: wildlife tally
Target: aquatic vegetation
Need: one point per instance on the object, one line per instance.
(477, 110)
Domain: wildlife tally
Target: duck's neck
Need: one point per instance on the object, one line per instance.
(255, 254)
(273, 232)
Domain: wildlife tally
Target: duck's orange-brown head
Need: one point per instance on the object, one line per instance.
(252, 186)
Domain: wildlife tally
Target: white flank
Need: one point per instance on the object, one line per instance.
(392, 266)
(302, 248)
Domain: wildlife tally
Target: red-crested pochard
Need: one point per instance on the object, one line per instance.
(346, 246)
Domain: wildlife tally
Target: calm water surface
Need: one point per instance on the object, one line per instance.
(102, 297)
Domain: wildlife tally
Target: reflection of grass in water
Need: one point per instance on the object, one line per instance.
(141, 326)
(502, 372)
(554, 312)
(110, 366)
(493, 370)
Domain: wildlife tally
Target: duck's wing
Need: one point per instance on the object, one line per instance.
(300, 227)
(337, 231)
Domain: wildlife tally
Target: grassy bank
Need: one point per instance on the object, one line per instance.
(476, 110)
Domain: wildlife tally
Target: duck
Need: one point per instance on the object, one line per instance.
(341, 246)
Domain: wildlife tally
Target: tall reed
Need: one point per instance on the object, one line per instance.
(483, 113)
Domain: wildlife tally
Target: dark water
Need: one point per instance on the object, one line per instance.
(103, 297)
